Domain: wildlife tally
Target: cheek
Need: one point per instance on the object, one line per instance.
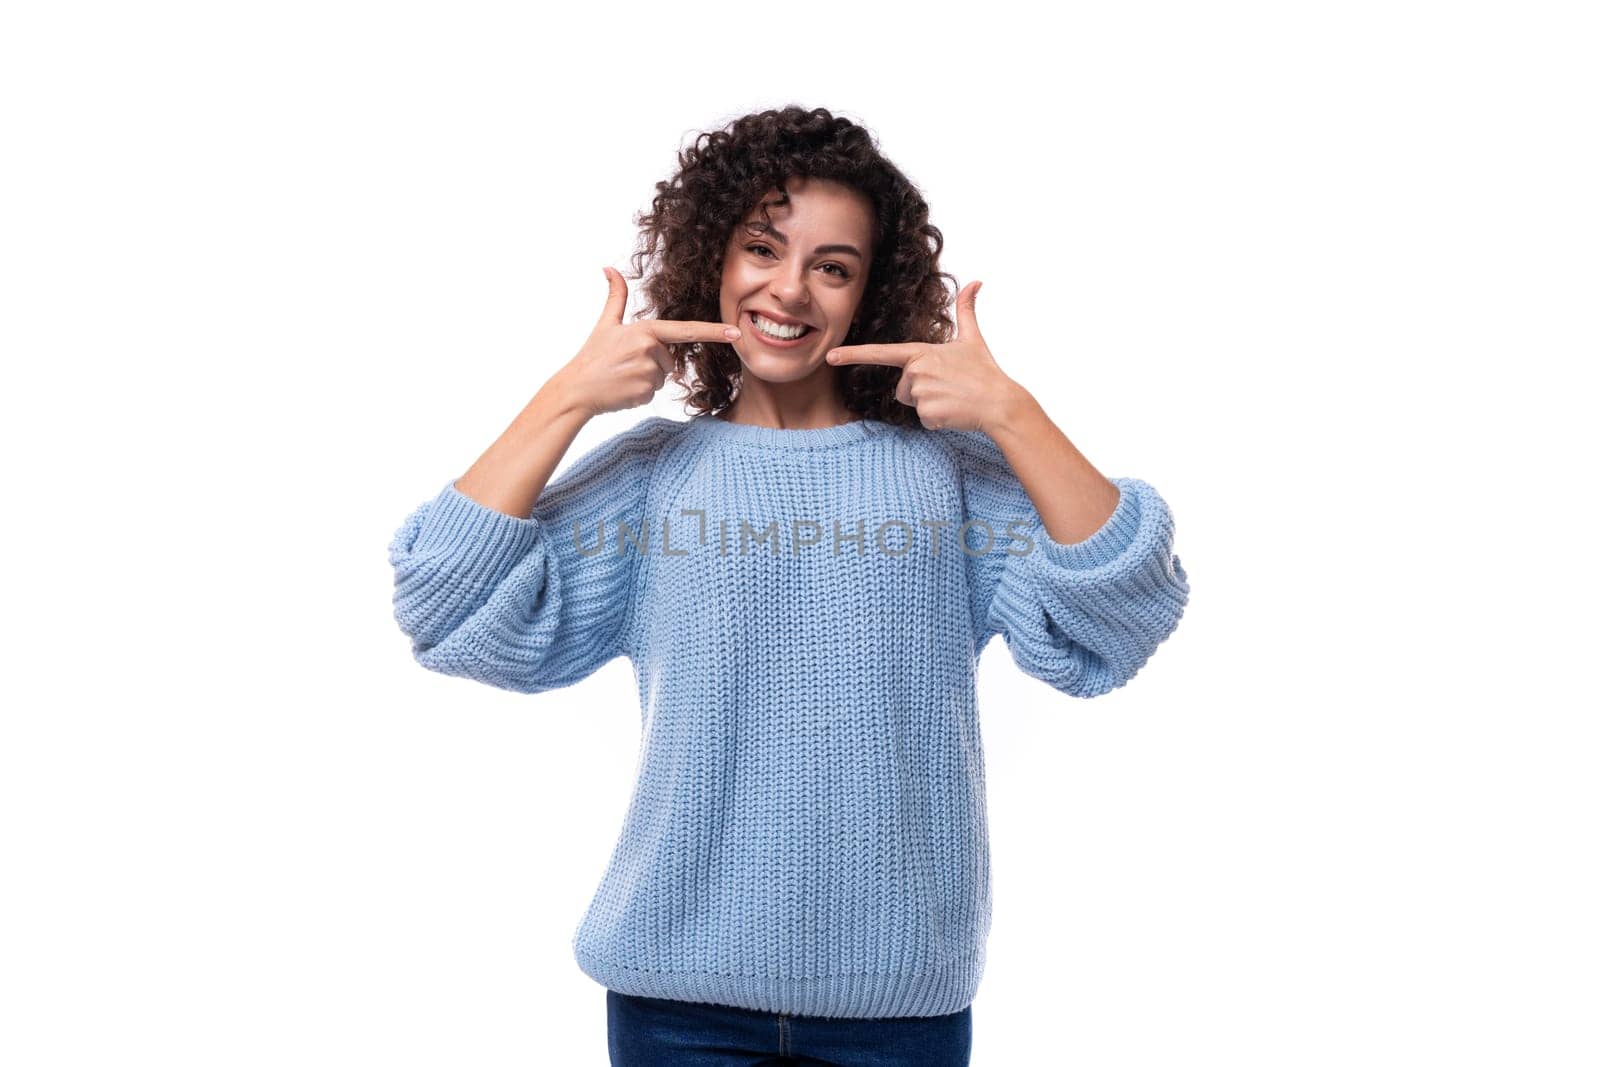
(842, 312)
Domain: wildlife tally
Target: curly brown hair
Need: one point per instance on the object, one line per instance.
(720, 178)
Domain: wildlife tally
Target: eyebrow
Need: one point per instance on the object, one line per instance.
(783, 239)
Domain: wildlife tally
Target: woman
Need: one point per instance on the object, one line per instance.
(803, 574)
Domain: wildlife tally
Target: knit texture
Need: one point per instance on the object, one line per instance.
(808, 832)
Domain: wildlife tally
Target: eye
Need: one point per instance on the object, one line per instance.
(842, 275)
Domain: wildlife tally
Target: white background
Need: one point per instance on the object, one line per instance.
(1324, 274)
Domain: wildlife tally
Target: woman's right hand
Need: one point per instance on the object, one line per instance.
(625, 365)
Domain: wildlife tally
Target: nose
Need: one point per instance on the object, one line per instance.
(790, 290)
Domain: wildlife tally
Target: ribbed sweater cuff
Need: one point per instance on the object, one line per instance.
(483, 542)
(1107, 543)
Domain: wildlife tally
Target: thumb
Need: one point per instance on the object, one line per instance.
(616, 300)
(967, 313)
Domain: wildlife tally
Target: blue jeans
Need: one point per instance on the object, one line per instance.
(651, 1032)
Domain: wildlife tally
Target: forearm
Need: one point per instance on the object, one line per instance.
(511, 474)
(1073, 498)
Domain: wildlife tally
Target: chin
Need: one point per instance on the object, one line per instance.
(776, 369)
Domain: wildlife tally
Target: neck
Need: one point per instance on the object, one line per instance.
(758, 404)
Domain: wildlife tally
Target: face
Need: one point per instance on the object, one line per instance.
(809, 266)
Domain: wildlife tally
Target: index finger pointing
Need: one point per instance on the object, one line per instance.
(680, 331)
(892, 355)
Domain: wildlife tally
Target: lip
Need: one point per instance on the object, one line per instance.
(773, 342)
(781, 320)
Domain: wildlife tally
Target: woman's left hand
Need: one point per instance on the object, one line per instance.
(953, 386)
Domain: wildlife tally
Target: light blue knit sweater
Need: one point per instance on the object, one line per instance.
(808, 833)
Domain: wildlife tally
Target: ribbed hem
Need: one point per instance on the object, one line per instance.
(846, 996)
(846, 433)
(484, 542)
(1107, 543)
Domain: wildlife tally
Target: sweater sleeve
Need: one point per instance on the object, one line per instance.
(529, 604)
(1083, 617)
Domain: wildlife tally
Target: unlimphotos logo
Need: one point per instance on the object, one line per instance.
(892, 537)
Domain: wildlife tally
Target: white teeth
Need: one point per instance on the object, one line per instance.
(772, 329)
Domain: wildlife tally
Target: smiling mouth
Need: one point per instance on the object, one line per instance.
(778, 342)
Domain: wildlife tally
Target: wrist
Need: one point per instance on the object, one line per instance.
(562, 400)
(1009, 407)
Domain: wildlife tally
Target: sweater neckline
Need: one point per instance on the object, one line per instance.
(844, 433)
